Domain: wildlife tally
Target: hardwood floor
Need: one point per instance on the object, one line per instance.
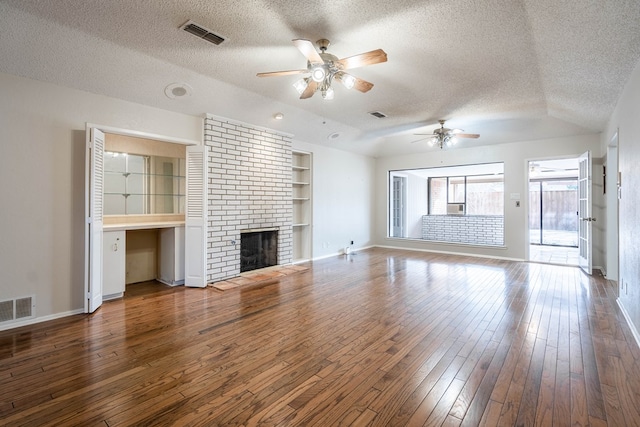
(382, 337)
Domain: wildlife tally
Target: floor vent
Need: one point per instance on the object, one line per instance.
(16, 309)
(199, 31)
(378, 114)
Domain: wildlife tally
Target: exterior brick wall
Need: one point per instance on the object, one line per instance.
(469, 229)
(249, 188)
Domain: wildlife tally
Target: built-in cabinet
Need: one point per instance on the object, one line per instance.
(140, 252)
(114, 252)
(301, 165)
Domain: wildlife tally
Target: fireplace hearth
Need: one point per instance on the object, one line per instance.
(258, 249)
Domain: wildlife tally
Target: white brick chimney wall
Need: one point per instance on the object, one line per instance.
(249, 188)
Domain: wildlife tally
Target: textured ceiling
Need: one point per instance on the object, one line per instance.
(510, 70)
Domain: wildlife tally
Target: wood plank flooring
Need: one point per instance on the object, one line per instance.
(380, 338)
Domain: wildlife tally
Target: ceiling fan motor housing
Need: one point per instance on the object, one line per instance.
(323, 44)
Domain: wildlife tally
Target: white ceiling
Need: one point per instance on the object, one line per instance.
(511, 70)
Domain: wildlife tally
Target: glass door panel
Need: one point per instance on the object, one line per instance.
(560, 213)
(535, 222)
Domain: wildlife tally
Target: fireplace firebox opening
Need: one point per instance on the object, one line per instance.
(258, 249)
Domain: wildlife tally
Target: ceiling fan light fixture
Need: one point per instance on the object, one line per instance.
(301, 85)
(328, 94)
(318, 73)
(348, 80)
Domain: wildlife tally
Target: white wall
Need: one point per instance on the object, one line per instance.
(343, 199)
(42, 170)
(515, 157)
(626, 119)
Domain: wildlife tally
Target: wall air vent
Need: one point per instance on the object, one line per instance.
(378, 114)
(16, 309)
(203, 33)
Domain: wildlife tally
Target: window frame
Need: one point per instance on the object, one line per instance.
(465, 183)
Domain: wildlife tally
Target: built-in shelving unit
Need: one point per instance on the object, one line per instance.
(137, 184)
(301, 165)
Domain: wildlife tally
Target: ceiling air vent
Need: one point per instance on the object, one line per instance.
(378, 114)
(203, 33)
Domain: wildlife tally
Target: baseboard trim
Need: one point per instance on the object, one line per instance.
(34, 320)
(634, 331)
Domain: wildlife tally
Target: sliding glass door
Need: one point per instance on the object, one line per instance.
(553, 212)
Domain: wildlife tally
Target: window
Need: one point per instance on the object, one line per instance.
(436, 201)
(485, 195)
(470, 195)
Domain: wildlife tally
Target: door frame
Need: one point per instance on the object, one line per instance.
(90, 261)
(611, 186)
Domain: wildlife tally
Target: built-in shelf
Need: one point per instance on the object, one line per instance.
(301, 165)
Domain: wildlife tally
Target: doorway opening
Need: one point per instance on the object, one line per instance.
(553, 211)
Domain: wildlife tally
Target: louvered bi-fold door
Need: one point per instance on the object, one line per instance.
(95, 200)
(195, 264)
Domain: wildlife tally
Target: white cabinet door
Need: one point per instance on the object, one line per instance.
(114, 263)
(171, 268)
(195, 267)
(94, 182)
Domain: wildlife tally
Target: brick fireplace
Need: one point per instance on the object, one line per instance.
(249, 189)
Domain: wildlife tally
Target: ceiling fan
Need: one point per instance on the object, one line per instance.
(445, 137)
(324, 67)
(535, 167)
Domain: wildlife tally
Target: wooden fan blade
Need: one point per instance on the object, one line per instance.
(308, 50)
(310, 90)
(281, 73)
(421, 139)
(358, 84)
(362, 85)
(467, 135)
(369, 58)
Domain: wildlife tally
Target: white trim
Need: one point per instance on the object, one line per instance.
(354, 251)
(245, 124)
(140, 134)
(634, 331)
(33, 320)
